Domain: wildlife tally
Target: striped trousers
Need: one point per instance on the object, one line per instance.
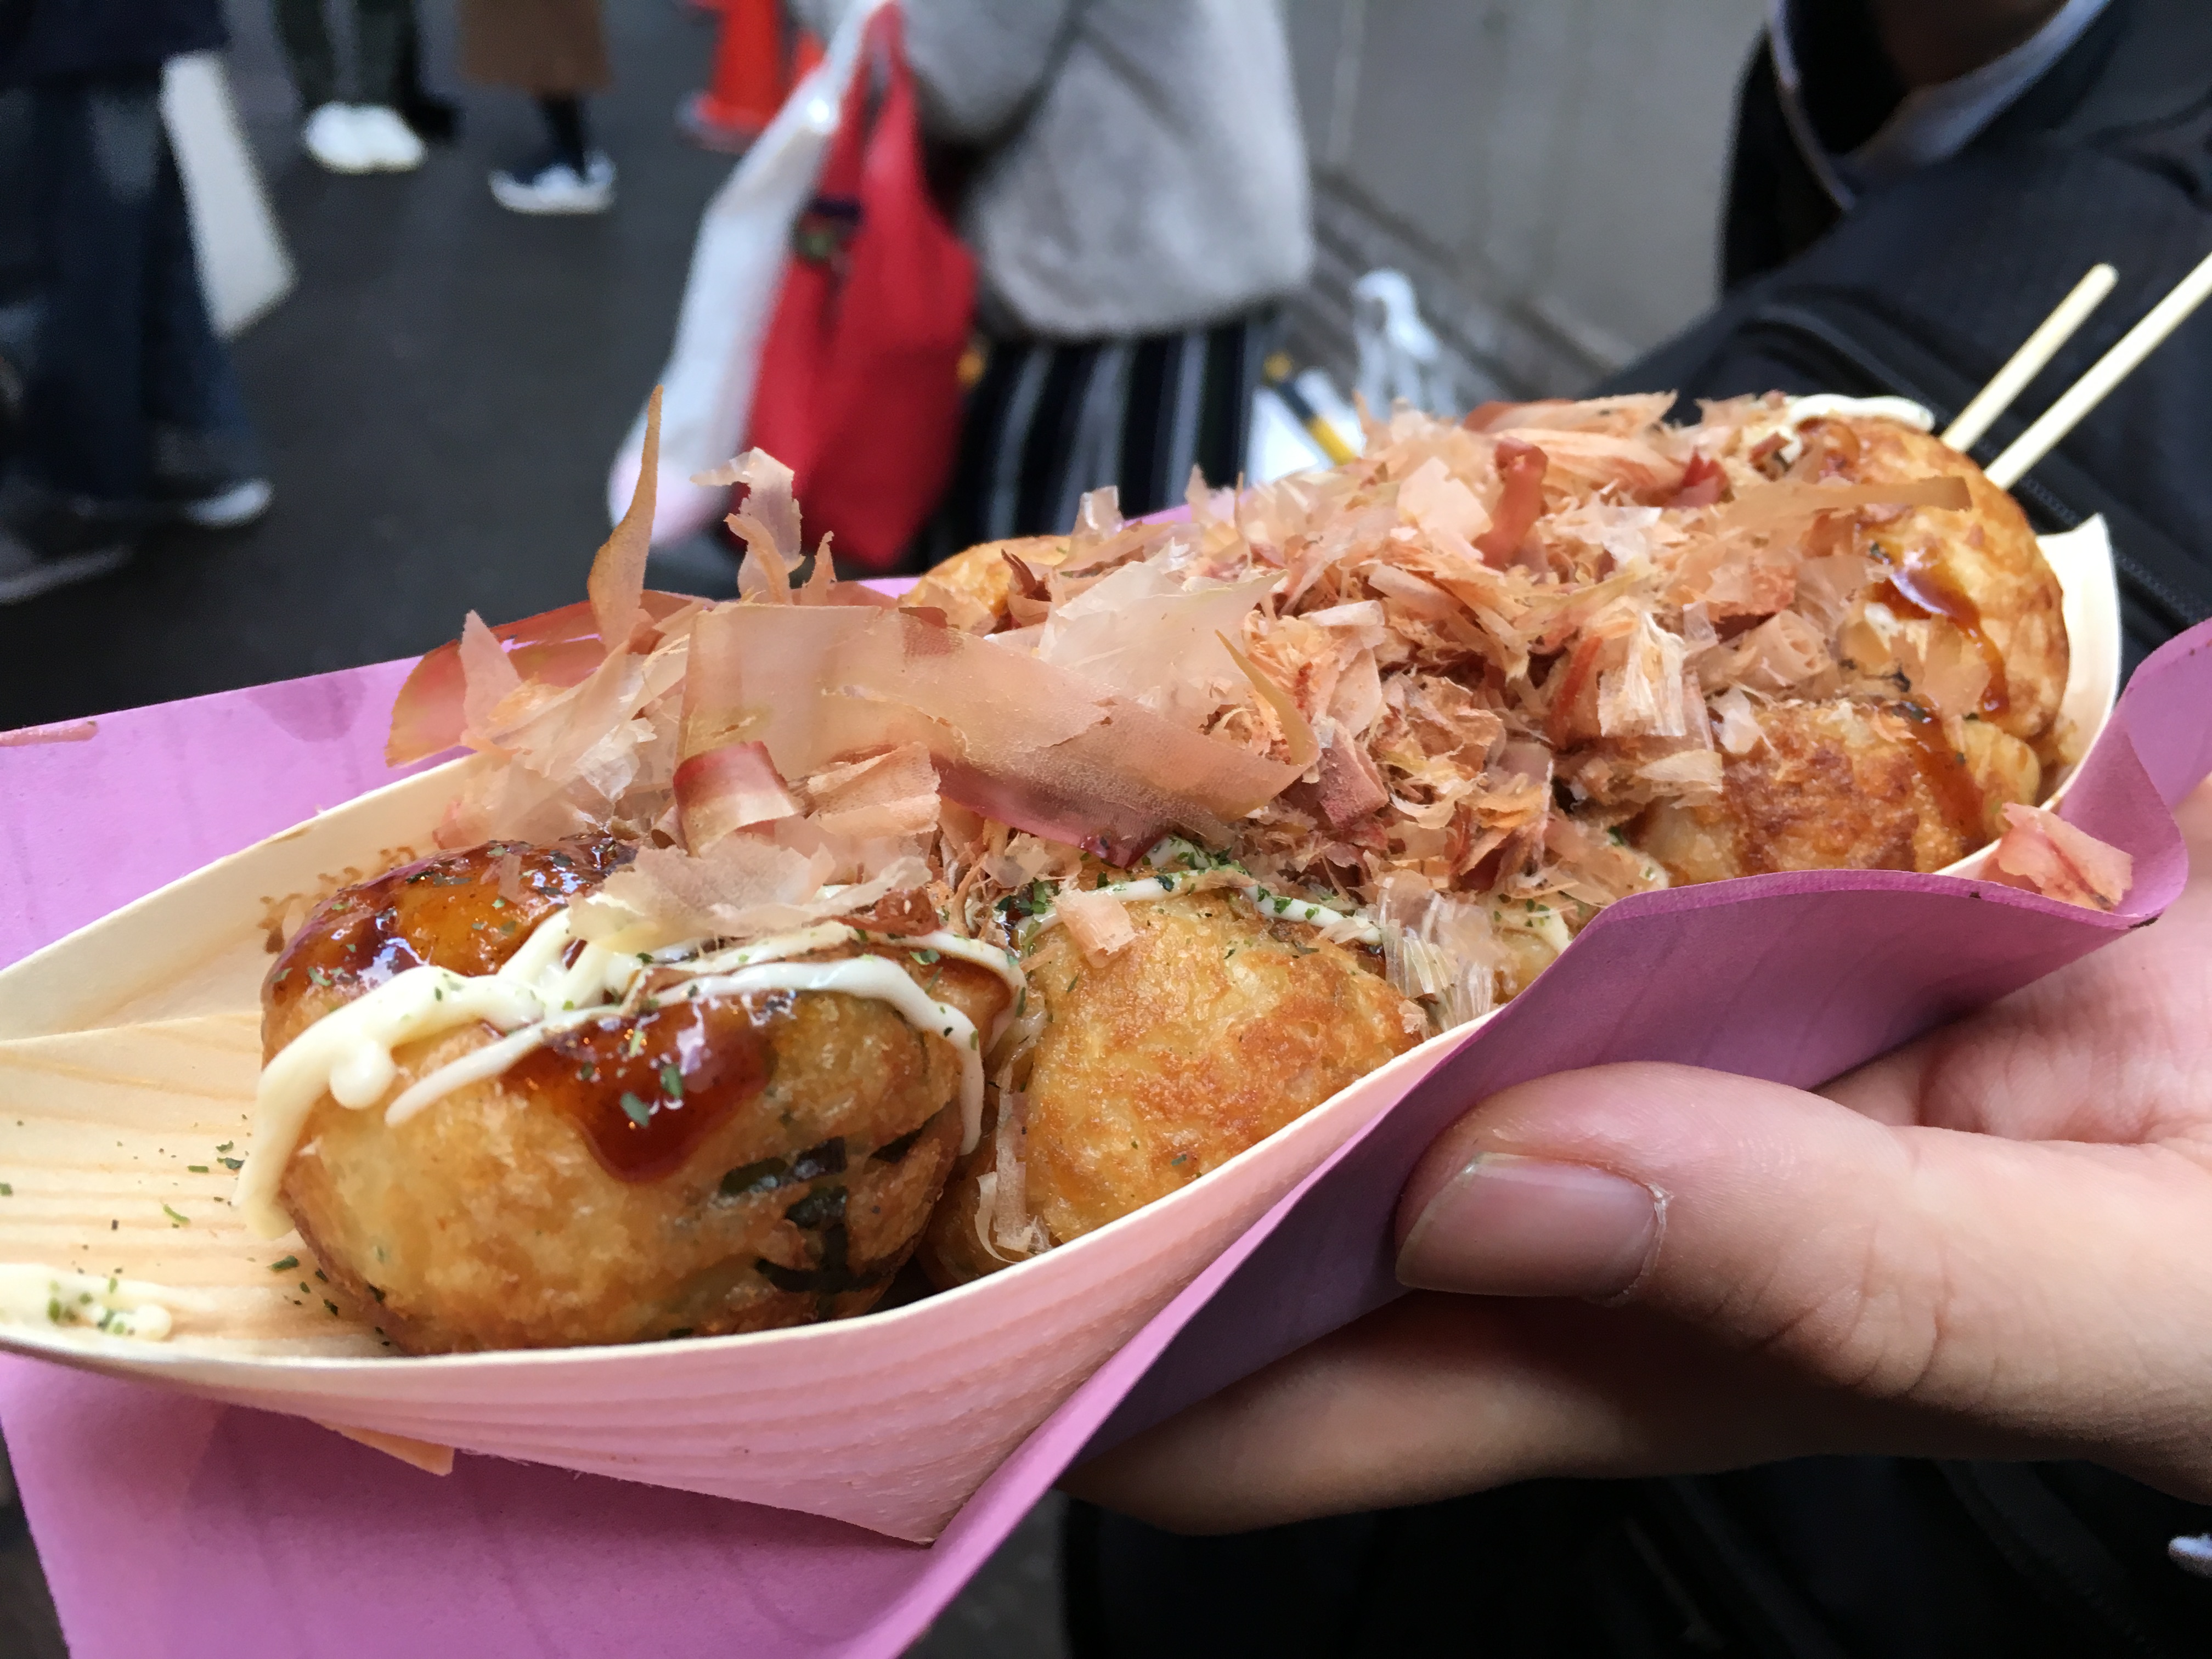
(1050, 420)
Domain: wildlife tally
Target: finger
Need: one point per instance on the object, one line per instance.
(1439, 1396)
(2049, 1290)
(1789, 1278)
(1793, 1278)
(2110, 1048)
(1786, 1276)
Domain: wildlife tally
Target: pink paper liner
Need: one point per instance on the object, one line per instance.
(169, 1525)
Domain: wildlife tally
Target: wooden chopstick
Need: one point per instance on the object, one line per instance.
(2038, 349)
(2109, 370)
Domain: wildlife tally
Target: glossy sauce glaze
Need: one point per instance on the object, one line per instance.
(1914, 589)
(467, 911)
(647, 1080)
(646, 1089)
(1958, 797)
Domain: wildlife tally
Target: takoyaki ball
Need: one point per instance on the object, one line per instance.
(973, 588)
(789, 1183)
(467, 911)
(954, 1249)
(1206, 1033)
(1846, 786)
(1980, 570)
(695, 1166)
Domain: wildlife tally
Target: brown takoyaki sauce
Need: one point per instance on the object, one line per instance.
(1957, 795)
(1918, 590)
(647, 1083)
(647, 1088)
(467, 911)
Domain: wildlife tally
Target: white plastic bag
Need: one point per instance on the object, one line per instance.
(1400, 356)
(1279, 444)
(737, 271)
(244, 268)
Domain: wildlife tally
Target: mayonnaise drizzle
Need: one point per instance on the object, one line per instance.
(31, 1294)
(480, 1063)
(829, 935)
(885, 982)
(348, 1053)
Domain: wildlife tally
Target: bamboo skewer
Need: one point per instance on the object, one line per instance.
(2038, 349)
(2109, 370)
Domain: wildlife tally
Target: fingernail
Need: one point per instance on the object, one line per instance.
(1523, 1226)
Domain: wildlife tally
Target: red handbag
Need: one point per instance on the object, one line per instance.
(858, 391)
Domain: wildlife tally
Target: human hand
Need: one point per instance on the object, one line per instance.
(1994, 1243)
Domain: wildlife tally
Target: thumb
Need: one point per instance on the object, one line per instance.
(2032, 1288)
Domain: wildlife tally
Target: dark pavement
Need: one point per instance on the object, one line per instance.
(440, 397)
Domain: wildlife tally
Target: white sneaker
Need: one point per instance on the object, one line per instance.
(26, 572)
(555, 187)
(228, 509)
(333, 136)
(388, 141)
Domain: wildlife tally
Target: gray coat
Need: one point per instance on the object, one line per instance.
(1144, 169)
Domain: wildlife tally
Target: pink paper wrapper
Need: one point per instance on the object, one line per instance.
(173, 1528)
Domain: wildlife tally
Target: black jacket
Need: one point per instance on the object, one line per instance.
(1923, 288)
(1927, 283)
(47, 40)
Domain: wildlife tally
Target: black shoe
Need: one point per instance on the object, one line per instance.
(435, 121)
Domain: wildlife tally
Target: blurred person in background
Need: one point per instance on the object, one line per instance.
(1921, 181)
(383, 127)
(1845, 96)
(1135, 194)
(556, 51)
(1910, 1367)
(133, 416)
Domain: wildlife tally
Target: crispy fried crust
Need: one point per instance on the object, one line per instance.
(1208, 1032)
(812, 1135)
(487, 1221)
(1874, 780)
(952, 1249)
(1846, 786)
(972, 587)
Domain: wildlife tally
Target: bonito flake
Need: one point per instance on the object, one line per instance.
(1434, 689)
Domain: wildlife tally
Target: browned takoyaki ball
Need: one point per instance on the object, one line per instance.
(1208, 1033)
(1846, 786)
(468, 911)
(1887, 776)
(691, 1167)
(1979, 571)
(974, 587)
